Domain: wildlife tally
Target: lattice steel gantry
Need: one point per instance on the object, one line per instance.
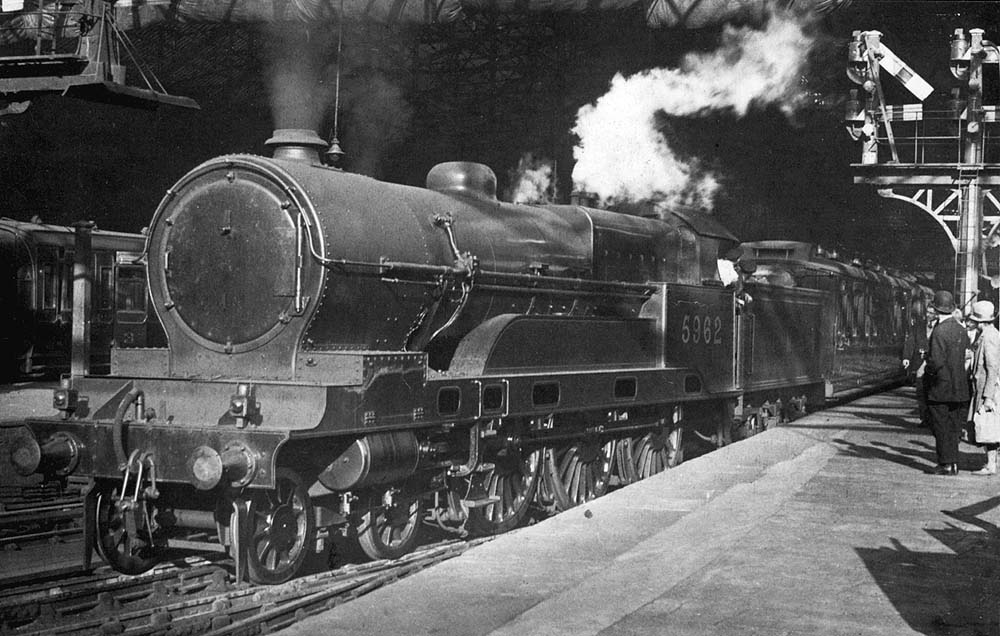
(945, 161)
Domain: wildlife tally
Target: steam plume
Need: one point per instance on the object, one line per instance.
(532, 181)
(302, 80)
(301, 77)
(623, 156)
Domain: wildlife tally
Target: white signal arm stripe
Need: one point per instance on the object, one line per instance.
(906, 75)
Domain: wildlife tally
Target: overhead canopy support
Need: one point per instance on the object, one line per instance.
(74, 50)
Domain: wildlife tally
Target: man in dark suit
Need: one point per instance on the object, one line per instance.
(915, 353)
(947, 382)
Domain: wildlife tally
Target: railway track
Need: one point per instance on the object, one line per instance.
(41, 529)
(200, 599)
(56, 517)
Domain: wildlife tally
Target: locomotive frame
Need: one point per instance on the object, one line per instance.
(352, 356)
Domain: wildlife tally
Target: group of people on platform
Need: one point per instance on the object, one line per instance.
(956, 363)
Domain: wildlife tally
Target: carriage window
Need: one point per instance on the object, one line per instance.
(449, 399)
(25, 286)
(859, 311)
(130, 294)
(105, 289)
(846, 313)
(48, 282)
(545, 394)
(66, 284)
(50, 286)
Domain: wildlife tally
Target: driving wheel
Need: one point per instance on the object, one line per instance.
(624, 468)
(513, 480)
(577, 473)
(657, 451)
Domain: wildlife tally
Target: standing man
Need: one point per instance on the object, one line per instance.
(915, 354)
(947, 382)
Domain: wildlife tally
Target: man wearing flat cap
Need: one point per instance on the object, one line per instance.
(948, 383)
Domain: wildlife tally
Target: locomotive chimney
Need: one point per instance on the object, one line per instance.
(296, 144)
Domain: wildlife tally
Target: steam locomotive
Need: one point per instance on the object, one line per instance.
(352, 356)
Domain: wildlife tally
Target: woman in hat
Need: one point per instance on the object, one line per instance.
(985, 374)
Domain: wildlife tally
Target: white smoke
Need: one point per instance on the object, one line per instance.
(371, 111)
(532, 181)
(622, 155)
(301, 76)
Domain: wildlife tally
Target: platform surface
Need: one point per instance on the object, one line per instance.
(828, 525)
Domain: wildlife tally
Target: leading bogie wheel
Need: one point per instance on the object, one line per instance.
(281, 528)
(390, 526)
(124, 538)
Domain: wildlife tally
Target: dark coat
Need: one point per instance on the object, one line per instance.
(947, 379)
(916, 344)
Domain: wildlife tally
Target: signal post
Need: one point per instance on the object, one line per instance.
(937, 160)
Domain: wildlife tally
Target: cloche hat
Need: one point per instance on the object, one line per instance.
(982, 311)
(944, 302)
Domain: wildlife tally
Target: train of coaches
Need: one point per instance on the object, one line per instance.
(351, 357)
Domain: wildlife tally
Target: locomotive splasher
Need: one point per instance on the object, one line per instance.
(351, 355)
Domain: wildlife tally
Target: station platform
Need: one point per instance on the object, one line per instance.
(827, 525)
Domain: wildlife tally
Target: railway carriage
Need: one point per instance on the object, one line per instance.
(36, 260)
(346, 355)
(871, 309)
